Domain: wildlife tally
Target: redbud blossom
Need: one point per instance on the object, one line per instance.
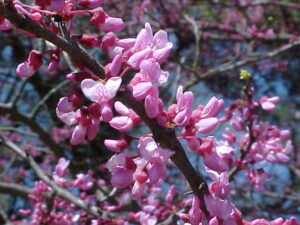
(147, 46)
(268, 104)
(128, 119)
(31, 65)
(117, 145)
(97, 92)
(195, 214)
(106, 23)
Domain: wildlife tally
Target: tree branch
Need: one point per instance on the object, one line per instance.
(13, 114)
(233, 65)
(14, 189)
(77, 53)
(165, 137)
(92, 210)
(46, 97)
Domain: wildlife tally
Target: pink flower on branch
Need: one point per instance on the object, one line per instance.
(106, 23)
(31, 65)
(148, 46)
(268, 104)
(128, 119)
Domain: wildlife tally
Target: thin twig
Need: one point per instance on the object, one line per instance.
(92, 210)
(19, 92)
(46, 97)
(234, 65)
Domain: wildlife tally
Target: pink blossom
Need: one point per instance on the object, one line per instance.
(148, 46)
(268, 104)
(113, 68)
(97, 92)
(117, 145)
(236, 123)
(54, 61)
(115, 46)
(128, 119)
(83, 181)
(152, 104)
(217, 207)
(121, 167)
(87, 123)
(121, 178)
(220, 186)
(195, 214)
(257, 178)
(61, 167)
(172, 193)
(183, 109)
(211, 158)
(151, 152)
(212, 108)
(205, 126)
(229, 136)
(106, 23)
(31, 65)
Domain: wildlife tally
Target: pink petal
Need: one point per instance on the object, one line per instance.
(121, 123)
(64, 105)
(274, 99)
(121, 177)
(68, 118)
(218, 207)
(78, 135)
(92, 89)
(212, 108)
(214, 162)
(115, 65)
(183, 117)
(268, 106)
(137, 190)
(93, 129)
(61, 167)
(116, 145)
(151, 69)
(141, 90)
(112, 85)
(205, 126)
(152, 106)
(106, 112)
(195, 214)
(112, 24)
(160, 39)
(144, 38)
(157, 171)
(25, 70)
(161, 54)
(282, 157)
(135, 60)
(121, 108)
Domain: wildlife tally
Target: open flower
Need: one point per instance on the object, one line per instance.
(148, 46)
